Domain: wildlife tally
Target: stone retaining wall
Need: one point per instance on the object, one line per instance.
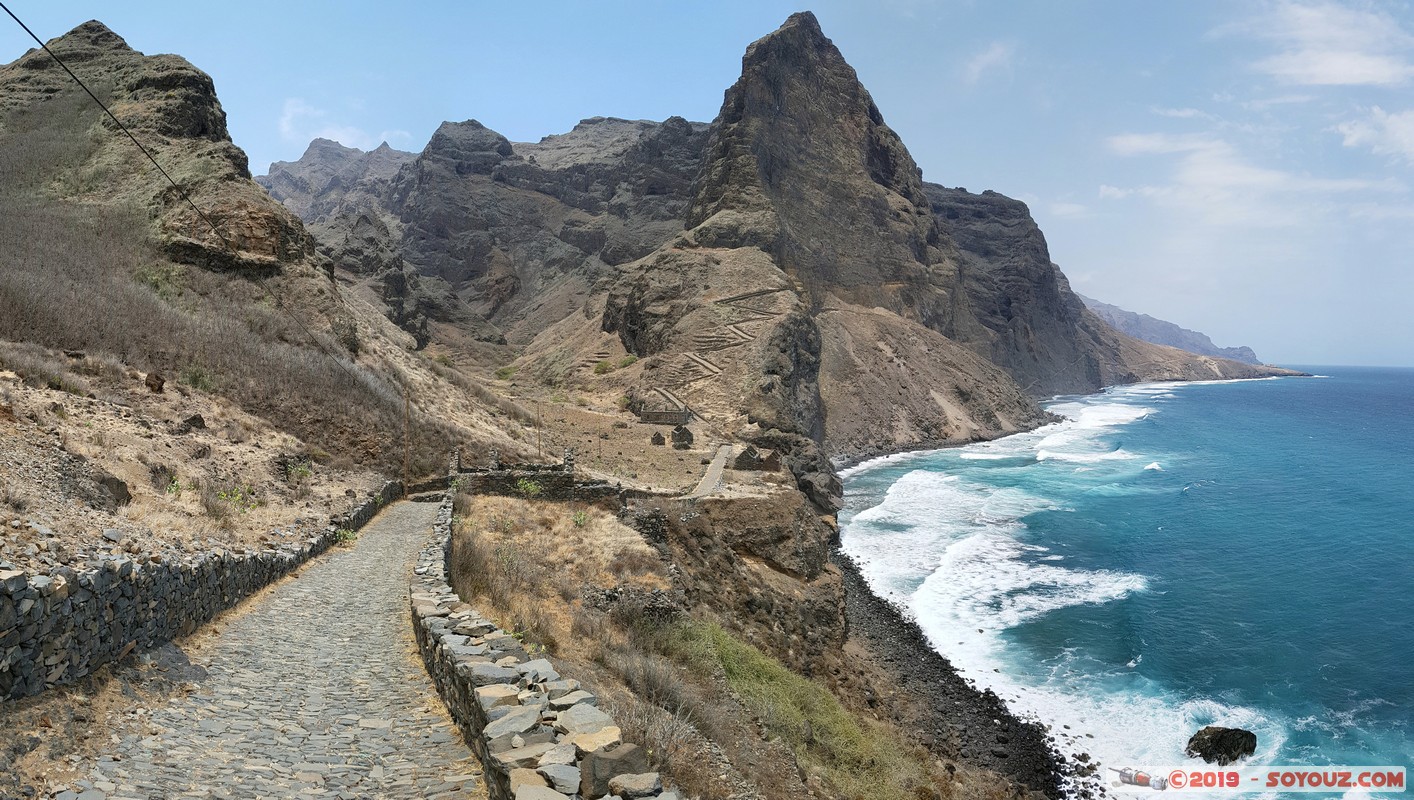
(551, 484)
(539, 735)
(57, 628)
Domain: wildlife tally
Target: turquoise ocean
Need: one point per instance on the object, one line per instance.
(1172, 556)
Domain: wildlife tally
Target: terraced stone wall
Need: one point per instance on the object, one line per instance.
(539, 735)
(57, 628)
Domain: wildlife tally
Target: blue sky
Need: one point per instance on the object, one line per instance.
(1243, 168)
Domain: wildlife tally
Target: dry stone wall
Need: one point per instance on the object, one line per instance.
(539, 734)
(60, 627)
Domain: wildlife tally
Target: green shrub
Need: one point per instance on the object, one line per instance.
(856, 759)
(528, 488)
(199, 378)
(505, 373)
(241, 498)
(628, 361)
(603, 368)
(167, 280)
(345, 536)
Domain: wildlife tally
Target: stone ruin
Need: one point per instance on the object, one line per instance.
(682, 438)
(658, 439)
(762, 460)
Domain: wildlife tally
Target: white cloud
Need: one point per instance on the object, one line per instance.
(997, 57)
(301, 123)
(1071, 210)
(1213, 184)
(1137, 144)
(1331, 44)
(1262, 104)
(1182, 113)
(1383, 133)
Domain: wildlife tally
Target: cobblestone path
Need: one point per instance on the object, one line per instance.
(314, 692)
(712, 478)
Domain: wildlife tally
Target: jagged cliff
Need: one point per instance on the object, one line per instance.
(172, 107)
(785, 270)
(102, 254)
(1158, 331)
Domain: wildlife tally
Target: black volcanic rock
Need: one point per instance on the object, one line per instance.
(1221, 746)
(468, 148)
(518, 232)
(802, 165)
(1036, 328)
(785, 266)
(1151, 329)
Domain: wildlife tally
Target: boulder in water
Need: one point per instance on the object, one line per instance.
(1223, 746)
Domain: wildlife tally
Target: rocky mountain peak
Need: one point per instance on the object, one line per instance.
(474, 147)
(86, 42)
(326, 147)
(801, 162)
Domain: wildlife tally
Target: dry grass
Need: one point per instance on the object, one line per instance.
(673, 684)
(546, 539)
(527, 562)
(86, 276)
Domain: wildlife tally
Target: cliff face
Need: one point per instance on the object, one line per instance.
(172, 107)
(1157, 331)
(785, 271)
(103, 255)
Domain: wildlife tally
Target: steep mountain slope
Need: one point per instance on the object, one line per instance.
(1158, 331)
(103, 255)
(785, 271)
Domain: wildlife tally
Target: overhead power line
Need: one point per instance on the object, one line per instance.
(182, 191)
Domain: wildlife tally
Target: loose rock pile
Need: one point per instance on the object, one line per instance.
(539, 735)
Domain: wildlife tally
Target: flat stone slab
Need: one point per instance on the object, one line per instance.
(562, 777)
(583, 718)
(573, 699)
(518, 721)
(646, 784)
(487, 674)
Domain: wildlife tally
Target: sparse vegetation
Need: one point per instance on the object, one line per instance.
(345, 536)
(168, 281)
(36, 367)
(673, 682)
(528, 488)
(603, 368)
(199, 378)
(628, 361)
(505, 373)
(242, 498)
(16, 502)
(857, 757)
(88, 277)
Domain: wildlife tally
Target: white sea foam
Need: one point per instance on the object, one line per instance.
(893, 459)
(1154, 467)
(982, 587)
(1085, 458)
(982, 580)
(950, 550)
